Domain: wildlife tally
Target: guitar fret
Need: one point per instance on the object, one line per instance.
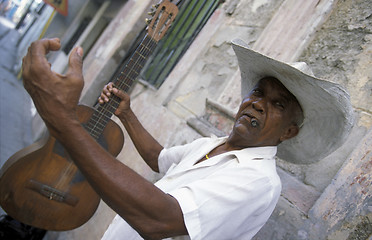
(145, 47)
(97, 128)
(98, 118)
(94, 127)
(141, 55)
(135, 72)
(100, 125)
(93, 132)
(126, 84)
(104, 117)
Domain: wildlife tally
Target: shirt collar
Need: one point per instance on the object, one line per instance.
(253, 153)
(256, 153)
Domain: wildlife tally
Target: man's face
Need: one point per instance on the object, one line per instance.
(266, 116)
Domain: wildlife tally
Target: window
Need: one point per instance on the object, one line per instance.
(192, 16)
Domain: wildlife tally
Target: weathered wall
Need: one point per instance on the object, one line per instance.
(344, 211)
(342, 53)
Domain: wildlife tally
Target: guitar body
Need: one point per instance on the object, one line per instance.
(40, 185)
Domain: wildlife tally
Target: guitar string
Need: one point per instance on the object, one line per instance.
(147, 43)
(69, 170)
(151, 43)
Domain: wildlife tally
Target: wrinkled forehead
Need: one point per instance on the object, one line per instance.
(275, 86)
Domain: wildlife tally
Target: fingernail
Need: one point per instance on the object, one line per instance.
(79, 51)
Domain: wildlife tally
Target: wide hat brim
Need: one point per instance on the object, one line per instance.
(328, 114)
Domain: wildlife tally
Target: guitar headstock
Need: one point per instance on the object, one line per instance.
(162, 19)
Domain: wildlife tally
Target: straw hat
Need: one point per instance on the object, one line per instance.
(328, 114)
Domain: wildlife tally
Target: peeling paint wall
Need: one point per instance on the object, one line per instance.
(345, 207)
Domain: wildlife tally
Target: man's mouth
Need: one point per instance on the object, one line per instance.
(252, 119)
(254, 123)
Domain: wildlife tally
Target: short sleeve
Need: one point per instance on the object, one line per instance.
(173, 155)
(167, 157)
(227, 204)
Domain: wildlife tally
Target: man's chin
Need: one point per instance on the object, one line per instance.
(246, 131)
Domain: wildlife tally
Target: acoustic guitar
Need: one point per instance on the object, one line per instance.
(40, 185)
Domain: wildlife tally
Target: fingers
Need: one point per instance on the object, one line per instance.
(35, 66)
(106, 93)
(75, 68)
(108, 90)
(109, 87)
(121, 94)
(44, 46)
(54, 44)
(35, 57)
(103, 98)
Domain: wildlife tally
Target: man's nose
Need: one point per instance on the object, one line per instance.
(258, 105)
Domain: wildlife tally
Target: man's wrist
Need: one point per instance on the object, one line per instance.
(62, 126)
(125, 116)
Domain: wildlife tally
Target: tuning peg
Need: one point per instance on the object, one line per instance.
(153, 9)
(148, 20)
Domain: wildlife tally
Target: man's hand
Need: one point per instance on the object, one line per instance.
(124, 106)
(55, 96)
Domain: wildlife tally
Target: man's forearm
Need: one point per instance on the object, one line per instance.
(138, 201)
(146, 145)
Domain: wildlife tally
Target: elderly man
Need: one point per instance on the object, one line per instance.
(213, 188)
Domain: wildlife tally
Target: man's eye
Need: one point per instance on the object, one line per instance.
(257, 92)
(279, 105)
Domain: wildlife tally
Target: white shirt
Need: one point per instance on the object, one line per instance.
(229, 196)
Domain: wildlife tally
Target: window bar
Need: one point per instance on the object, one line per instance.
(171, 39)
(176, 37)
(169, 66)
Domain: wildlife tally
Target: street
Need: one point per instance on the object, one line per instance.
(15, 103)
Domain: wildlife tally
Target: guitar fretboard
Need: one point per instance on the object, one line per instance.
(123, 81)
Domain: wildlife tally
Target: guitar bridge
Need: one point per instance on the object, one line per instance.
(52, 193)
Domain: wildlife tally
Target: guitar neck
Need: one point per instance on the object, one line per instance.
(123, 81)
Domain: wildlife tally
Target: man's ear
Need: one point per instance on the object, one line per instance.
(290, 132)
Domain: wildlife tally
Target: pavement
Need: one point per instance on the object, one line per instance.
(15, 103)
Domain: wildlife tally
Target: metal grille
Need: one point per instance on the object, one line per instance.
(190, 20)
